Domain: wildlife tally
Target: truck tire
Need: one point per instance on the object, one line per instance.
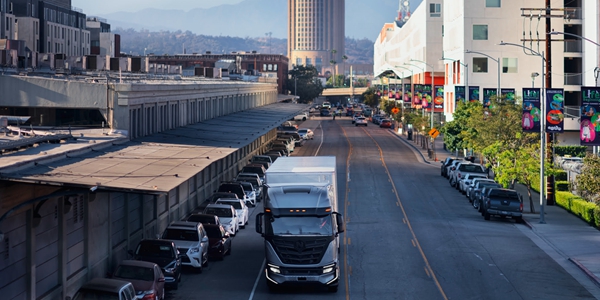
(519, 220)
(486, 216)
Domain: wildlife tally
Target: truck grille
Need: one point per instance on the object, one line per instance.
(301, 251)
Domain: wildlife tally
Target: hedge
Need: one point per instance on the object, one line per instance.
(562, 186)
(560, 176)
(587, 211)
(574, 151)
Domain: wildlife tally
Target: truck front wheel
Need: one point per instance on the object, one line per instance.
(332, 289)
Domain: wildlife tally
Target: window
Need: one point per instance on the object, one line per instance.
(275, 67)
(480, 64)
(492, 3)
(264, 67)
(435, 10)
(309, 61)
(509, 65)
(480, 32)
(298, 61)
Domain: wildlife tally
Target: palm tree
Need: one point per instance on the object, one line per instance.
(344, 58)
(333, 62)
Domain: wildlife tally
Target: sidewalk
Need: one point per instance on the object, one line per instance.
(571, 238)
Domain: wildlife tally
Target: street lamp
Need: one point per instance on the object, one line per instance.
(494, 59)
(403, 91)
(542, 126)
(464, 65)
(432, 101)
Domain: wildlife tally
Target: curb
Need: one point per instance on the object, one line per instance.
(526, 223)
(586, 271)
(411, 145)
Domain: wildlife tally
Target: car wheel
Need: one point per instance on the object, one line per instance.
(486, 216)
(163, 294)
(242, 226)
(199, 269)
(303, 118)
(332, 289)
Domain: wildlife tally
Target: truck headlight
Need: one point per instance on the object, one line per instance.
(328, 268)
(274, 269)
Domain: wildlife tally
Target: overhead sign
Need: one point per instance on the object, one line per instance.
(395, 110)
(434, 133)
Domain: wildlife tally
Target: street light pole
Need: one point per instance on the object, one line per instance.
(466, 70)
(412, 74)
(542, 127)
(422, 71)
(432, 103)
(497, 61)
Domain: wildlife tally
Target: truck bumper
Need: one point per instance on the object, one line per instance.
(504, 213)
(302, 277)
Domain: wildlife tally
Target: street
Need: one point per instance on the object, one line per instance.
(409, 235)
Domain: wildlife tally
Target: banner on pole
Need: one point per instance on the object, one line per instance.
(426, 96)
(531, 110)
(417, 96)
(589, 132)
(407, 93)
(508, 95)
(474, 94)
(487, 97)
(438, 98)
(554, 111)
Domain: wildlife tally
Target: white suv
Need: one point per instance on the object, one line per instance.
(227, 215)
(240, 208)
(192, 242)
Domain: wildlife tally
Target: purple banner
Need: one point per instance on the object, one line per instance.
(407, 93)
(554, 111)
(426, 96)
(531, 110)
(417, 95)
(474, 94)
(508, 94)
(438, 98)
(589, 133)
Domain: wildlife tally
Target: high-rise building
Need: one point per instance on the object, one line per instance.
(316, 33)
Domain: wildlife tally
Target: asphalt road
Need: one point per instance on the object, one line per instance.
(409, 235)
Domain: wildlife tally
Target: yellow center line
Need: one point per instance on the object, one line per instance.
(428, 268)
(347, 269)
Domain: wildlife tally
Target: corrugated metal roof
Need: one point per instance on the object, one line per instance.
(160, 162)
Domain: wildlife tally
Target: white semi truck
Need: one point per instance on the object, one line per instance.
(301, 223)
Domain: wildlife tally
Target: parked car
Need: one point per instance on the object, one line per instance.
(301, 117)
(361, 121)
(264, 158)
(191, 241)
(250, 192)
(257, 169)
(220, 241)
(287, 142)
(253, 179)
(105, 288)
(503, 203)
(163, 253)
(204, 219)
(240, 208)
(464, 168)
(473, 183)
(227, 215)
(467, 179)
(234, 187)
(295, 137)
(306, 133)
(273, 155)
(445, 164)
(146, 277)
(479, 190)
(385, 123)
(284, 148)
(452, 166)
(325, 112)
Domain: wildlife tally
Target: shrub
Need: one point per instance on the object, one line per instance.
(560, 175)
(578, 206)
(574, 151)
(562, 186)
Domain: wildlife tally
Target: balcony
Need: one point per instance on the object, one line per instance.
(573, 79)
(573, 46)
(571, 121)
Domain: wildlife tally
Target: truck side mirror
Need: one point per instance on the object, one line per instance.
(341, 227)
(259, 223)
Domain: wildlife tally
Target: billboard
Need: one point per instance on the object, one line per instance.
(554, 110)
(590, 116)
(531, 110)
(417, 95)
(474, 94)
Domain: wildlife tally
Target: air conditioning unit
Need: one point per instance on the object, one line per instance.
(45, 58)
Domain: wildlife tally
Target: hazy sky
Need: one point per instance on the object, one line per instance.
(110, 6)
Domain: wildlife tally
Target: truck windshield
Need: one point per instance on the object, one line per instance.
(300, 226)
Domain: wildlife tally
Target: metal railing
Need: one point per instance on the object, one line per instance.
(573, 46)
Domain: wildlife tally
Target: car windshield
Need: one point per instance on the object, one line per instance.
(202, 219)
(89, 294)
(135, 272)
(235, 204)
(154, 250)
(213, 232)
(180, 235)
(219, 212)
(300, 226)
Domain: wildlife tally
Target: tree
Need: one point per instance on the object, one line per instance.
(456, 132)
(370, 98)
(333, 63)
(588, 181)
(305, 80)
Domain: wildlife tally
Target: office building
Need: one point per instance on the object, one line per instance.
(316, 33)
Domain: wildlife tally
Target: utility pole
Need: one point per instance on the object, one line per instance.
(547, 14)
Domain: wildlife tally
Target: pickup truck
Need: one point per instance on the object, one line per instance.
(462, 169)
(504, 203)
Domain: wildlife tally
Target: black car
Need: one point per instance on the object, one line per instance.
(165, 255)
(325, 113)
(219, 241)
(205, 219)
(232, 187)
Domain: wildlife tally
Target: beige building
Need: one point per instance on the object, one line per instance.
(316, 32)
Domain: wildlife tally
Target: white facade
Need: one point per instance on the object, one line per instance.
(7, 22)
(107, 44)
(66, 40)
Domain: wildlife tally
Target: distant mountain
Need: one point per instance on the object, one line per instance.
(254, 18)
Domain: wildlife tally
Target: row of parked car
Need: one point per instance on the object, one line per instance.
(484, 194)
(205, 234)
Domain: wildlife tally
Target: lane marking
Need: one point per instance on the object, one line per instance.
(347, 269)
(349, 241)
(257, 278)
(403, 219)
(418, 245)
(322, 137)
(427, 272)
(413, 242)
